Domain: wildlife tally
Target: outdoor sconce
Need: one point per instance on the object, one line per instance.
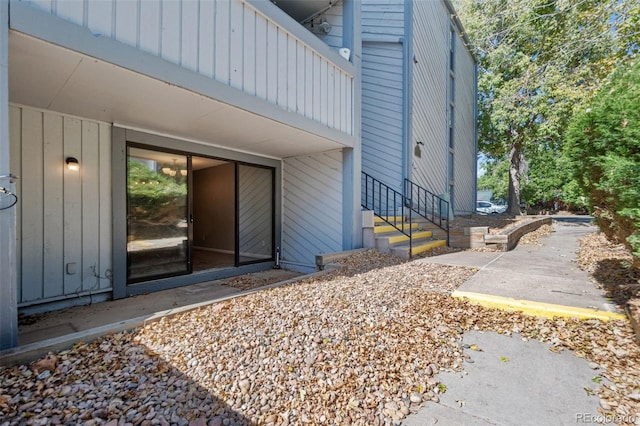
(72, 164)
(417, 151)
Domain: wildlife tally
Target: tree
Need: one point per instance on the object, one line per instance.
(603, 142)
(538, 61)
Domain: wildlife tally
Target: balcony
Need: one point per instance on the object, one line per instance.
(237, 73)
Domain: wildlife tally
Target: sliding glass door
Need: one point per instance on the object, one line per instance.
(188, 213)
(158, 226)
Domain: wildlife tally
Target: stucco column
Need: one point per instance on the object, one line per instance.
(8, 284)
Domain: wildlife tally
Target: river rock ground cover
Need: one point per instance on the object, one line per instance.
(359, 345)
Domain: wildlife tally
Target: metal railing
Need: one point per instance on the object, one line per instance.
(427, 205)
(385, 202)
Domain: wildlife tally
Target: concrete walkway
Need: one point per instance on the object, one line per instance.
(517, 382)
(536, 278)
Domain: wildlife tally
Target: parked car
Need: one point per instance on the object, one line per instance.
(486, 207)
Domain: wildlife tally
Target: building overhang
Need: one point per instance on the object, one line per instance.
(140, 91)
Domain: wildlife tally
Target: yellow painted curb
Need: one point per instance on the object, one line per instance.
(539, 309)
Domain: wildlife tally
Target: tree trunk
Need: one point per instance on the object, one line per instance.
(515, 172)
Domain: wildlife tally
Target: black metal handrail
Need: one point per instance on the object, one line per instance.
(427, 205)
(384, 201)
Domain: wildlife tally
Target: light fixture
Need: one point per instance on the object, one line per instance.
(72, 164)
(172, 171)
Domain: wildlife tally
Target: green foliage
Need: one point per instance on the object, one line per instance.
(538, 61)
(154, 199)
(603, 143)
(495, 178)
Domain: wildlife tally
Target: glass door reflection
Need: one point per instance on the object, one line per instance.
(158, 225)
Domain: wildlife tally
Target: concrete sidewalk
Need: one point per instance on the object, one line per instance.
(535, 278)
(513, 381)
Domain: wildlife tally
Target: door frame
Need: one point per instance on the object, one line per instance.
(120, 138)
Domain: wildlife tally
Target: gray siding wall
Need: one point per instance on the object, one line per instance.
(383, 90)
(382, 112)
(312, 207)
(63, 217)
(465, 143)
(382, 18)
(430, 78)
(229, 41)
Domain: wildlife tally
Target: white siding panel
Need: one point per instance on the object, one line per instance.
(104, 261)
(189, 35)
(308, 88)
(382, 123)
(317, 88)
(53, 205)
(100, 16)
(222, 29)
(236, 44)
(206, 38)
(261, 59)
(430, 79)
(292, 76)
(150, 20)
(170, 31)
(312, 212)
(127, 22)
(64, 217)
(282, 80)
(32, 205)
(272, 63)
(324, 105)
(89, 205)
(73, 205)
(300, 79)
(249, 52)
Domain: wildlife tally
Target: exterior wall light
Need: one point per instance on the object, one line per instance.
(72, 164)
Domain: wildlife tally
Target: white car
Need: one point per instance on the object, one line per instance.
(486, 207)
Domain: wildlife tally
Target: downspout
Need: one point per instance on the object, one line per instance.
(407, 99)
(352, 157)
(475, 133)
(8, 265)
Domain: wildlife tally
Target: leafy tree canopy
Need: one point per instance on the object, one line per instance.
(538, 61)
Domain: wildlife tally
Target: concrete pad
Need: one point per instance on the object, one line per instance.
(81, 318)
(513, 382)
(547, 273)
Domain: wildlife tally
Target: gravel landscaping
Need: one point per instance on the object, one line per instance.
(359, 345)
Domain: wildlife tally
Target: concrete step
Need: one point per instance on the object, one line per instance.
(380, 229)
(386, 241)
(420, 246)
(392, 219)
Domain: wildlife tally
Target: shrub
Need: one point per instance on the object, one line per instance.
(603, 143)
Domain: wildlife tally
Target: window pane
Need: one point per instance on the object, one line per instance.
(255, 213)
(157, 227)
